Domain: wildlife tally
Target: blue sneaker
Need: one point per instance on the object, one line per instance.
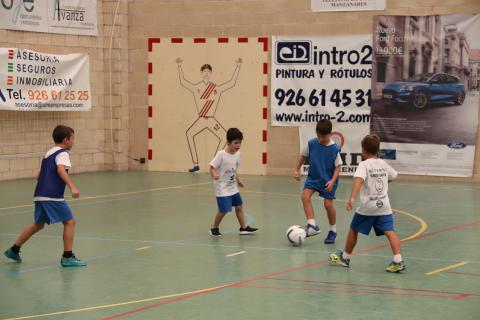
(312, 230)
(331, 236)
(72, 262)
(12, 255)
(337, 258)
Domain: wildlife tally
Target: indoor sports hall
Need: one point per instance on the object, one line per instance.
(161, 159)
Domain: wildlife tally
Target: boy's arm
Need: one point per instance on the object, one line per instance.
(64, 176)
(239, 182)
(329, 185)
(357, 185)
(298, 165)
(214, 173)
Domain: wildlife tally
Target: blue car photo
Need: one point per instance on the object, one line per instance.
(424, 89)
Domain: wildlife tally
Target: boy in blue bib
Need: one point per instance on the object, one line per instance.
(325, 162)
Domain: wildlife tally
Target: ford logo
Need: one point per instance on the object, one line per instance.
(456, 145)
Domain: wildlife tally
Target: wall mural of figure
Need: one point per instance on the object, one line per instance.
(206, 95)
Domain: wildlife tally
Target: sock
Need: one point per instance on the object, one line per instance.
(345, 255)
(311, 222)
(397, 258)
(67, 254)
(333, 228)
(15, 248)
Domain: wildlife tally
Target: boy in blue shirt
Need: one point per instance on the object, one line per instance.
(325, 162)
(50, 205)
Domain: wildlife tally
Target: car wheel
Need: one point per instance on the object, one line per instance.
(460, 98)
(420, 100)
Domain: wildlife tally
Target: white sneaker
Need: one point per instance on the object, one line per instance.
(312, 230)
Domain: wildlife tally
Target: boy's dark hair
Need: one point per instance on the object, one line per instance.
(206, 66)
(61, 132)
(234, 134)
(371, 144)
(324, 127)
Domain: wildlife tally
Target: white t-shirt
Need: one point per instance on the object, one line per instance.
(374, 193)
(305, 152)
(226, 165)
(63, 158)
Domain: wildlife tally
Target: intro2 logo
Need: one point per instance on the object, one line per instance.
(293, 52)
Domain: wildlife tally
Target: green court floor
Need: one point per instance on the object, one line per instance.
(145, 238)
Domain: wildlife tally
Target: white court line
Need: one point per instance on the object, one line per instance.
(235, 254)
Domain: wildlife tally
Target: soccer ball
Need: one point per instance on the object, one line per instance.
(296, 235)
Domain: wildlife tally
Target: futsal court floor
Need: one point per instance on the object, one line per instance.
(145, 238)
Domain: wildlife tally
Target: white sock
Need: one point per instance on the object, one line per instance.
(397, 258)
(311, 221)
(345, 255)
(333, 228)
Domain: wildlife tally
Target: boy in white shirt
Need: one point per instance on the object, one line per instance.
(371, 180)
(223, 169)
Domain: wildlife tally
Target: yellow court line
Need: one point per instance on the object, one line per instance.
(446, 268)
(116, 304)
(116, 194)
(142, 248)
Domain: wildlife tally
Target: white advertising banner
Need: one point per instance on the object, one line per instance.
(316, 78)
(52, 16)
(34, 81)
(347, 5)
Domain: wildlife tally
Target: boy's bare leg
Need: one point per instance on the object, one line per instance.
(307, 203)
(240, 216)
(394, 241)
(218, 219)
(331, 211)
(28, 232)
(68, 231)
(351, 241)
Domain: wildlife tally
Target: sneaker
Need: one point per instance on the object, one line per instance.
(194, 169)
(337, 258)
(331, 236)
(247, 230)
(395, 267)
(12, 255)
(72, 262)
(312, 230)
(215, 232)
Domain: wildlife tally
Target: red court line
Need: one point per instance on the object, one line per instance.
(465, 273)
(350, 284)
(352, 291)
(304, 266)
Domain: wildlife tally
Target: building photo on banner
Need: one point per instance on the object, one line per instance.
(198, 89)
(315, 78)
(53, 16)
(426, 92)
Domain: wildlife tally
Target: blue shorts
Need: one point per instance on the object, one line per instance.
(225, 204)
(52, 212)
(321, 192)
(380, 224)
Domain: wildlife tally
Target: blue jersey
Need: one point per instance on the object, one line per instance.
(322, 164)
(49, 183)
